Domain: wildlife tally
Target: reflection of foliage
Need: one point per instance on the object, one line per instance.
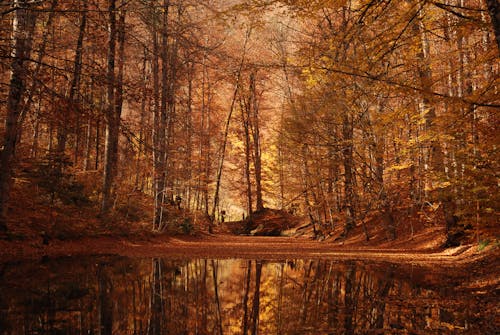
(295, 297)
(53, 175)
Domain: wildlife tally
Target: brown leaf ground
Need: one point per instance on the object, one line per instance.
(71, 231)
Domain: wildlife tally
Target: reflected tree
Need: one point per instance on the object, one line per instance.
(105, 301)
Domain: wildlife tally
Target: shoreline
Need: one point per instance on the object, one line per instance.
(227, 246)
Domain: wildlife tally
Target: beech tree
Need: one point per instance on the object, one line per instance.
(23, 25)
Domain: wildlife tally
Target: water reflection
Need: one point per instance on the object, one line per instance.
(142, 296)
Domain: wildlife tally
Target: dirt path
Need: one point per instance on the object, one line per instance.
(228, 246)
(464, 266)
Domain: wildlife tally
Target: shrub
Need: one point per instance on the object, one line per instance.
(52, 174)
(186, 226)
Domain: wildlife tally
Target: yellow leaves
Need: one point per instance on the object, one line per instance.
(437, 185)
(400, 167)
(310, 78)
(236, 142)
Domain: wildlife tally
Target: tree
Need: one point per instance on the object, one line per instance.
(494, 11)
(114, 107)
(23, 26)
(72, 104)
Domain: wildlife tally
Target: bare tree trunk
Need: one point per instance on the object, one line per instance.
(88, 144)
(62, 130)
(36, 83)
(245, 117)
(144, 100)
(97, 144)
(111, 122)
(189, 131)
(388, 217)
(254, 106)
(158, 187)
(36, 133)
(172, 81)
(22, 32)
(201, 178)
(494, 10)
(161, 122)
(436, 152)
(347, 133)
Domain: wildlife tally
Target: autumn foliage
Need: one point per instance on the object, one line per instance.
(348, 113)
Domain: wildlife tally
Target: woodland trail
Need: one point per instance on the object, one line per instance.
(230, 246)
(464, 266)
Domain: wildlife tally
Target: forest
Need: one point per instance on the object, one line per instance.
(249, 167)
(347, 113)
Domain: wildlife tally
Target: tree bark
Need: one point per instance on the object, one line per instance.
(254, 106)
(245, 116)
(435, 155)
(160, 122)
(189, 134)
(144, 100)
(36, 83)
(157, 152)
(23, 26)
(110, 149)
(71, 106)
(347, 133)
(494, 10)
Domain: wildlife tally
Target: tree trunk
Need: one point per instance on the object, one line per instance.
(226, 130)
(494, 10)
(88, 144)
(97, 144)
(254, 106)
(189, 134)
(158, 178)
(23, 26)
(347, 133)
(71, 105)
(436, 152)
(173, 57)
(144, 101)
(111, 136)
(245, 119)
(160, 122)
(36, 83)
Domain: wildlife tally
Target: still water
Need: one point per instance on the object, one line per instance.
(116, 295)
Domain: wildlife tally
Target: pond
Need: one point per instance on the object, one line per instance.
(117, 295)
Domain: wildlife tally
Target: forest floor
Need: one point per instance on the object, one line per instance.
(37, 231)
(465, 266)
